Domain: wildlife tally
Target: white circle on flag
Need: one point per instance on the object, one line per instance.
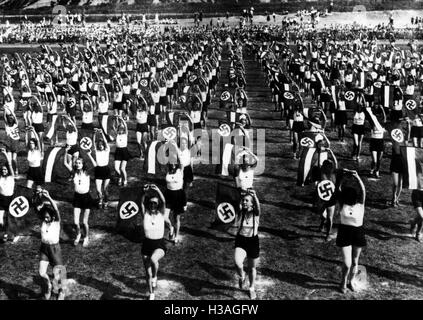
(288, 95)
(86, 143)
(307, 142)
(410, 104)
(225, 96)
(349, 95)
(128, 210)
(224, 130)
(397, 135)
(144, 82)
(72, 101)
(169, 133)
(378, 84)
(19, 207)
(325, 189)
(226, 212)
(407, 65)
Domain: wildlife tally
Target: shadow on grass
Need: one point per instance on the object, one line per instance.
(287, 234)
(195, 287)
(396, 226)
(131, 283)
(388, 274)
(205, 234)
(383, 236)
(17, 292)
(214, 271)
(299, 279)
(109, 291)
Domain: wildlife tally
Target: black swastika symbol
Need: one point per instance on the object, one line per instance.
(410, 104)
(86, 143)
(19, 206)
(349, 95)
(128, 210)
(397, 135)
(226, 212)
(326, 190)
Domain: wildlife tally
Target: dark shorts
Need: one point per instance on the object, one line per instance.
(122, 154)
(142, 127)
(102, 173)
(197, 125)
(298, 126)
(251, 245)
(12, 145)
(118, 105)
(350, 236)
(5, 202)
(417, 198)
(149, 246)
(376, 145)
(151, 120)
(163, 100)
(39, 127)
(51, 253)
(169, 91)
(82, 201)
(358, 129)
(340, 117)
(35, 174)
(176, 200)
(416, 132)
(397, 164)
(188, 175)
(158, 110)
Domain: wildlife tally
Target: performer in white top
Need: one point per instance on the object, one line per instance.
(122, 155)
(247, 240)
(154, 220)
(50, 251)
(7, 188)
(35, 158)
(175, 195)
(350, 236)
(244, 169)
(101, 164)
(82, 200)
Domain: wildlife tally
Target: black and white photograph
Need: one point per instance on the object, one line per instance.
(211, 150)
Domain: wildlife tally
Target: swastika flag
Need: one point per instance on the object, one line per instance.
(128, 214)
(227, 204)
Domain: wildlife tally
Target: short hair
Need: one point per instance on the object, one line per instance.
(349, 195)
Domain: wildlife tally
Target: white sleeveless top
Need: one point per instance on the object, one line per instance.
(245, 179)
(7, 186)
(141, 116)
(121, 141)
(359, 118)
(175, 181)
(102, 158)
(34, 158)
(103, 107)
(81, 183)
(87, 117)
(37, 117)
(50, 232)
(352, 215)
(71, 138)
(185, 157)
(154, 226)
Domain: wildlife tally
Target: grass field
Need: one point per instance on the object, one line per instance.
(296, 261)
